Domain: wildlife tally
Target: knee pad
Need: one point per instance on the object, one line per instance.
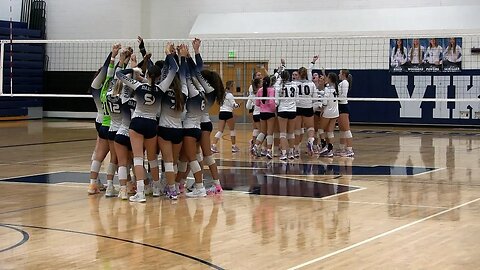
(153, 163)
(269, 139)
(233, 133)
(194, 166)
(169, 167)
(291, 136)
(320, 132)
(348, 134)
(138, 161)
(209, 160)
(302, 131)
(341, 134)
(311, 129)
(298, 132)
(255, 132)
(95, 167)
(330, 135)
(283, 135)
(276, 135)
(199, 157)
(182, 166)
(122, 173)
(261, 137)
(112, 167)
(175, 168)
(218, 135)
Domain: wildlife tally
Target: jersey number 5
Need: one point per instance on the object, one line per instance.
(149, 99)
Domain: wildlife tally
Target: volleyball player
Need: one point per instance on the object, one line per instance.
(344, 114)
(330, 112)
(123, 147)
(267, 117)
(226, 117)
(210, 81)
(434, 52)
(143, 126)
(287, 110)
(250, 105)
(306, 107)
(103, 147)
(195, 106)
(171, 132)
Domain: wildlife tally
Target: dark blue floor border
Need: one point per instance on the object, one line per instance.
(26, 237)
(118, 239)
(43, 143)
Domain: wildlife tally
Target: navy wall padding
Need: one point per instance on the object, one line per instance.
(69, 82)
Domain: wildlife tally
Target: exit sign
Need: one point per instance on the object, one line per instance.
(231, 54)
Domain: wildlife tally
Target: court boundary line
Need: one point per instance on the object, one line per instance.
(368, 240)
(25, 238)
(214, 266)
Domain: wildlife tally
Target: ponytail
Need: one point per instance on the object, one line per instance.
(266, 84)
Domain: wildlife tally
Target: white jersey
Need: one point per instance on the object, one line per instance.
(290, 90)
(321, 95)
(330, 107)
(228, 103)
(398, 58)
(452, 56)
(306, 89)
(343, 91)
(416, 55)
(433, 55)
(113, 103)
(251, 104)
(127, 108)
(148, 97)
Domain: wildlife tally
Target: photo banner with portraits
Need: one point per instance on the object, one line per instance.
(425, 55)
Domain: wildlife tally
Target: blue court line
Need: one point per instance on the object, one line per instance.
(122, 240)
(26, 237)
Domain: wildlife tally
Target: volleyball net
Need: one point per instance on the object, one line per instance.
(439, 88)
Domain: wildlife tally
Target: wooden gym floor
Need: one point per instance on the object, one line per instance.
(410, 199)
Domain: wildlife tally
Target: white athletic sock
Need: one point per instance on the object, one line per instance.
(140, 186)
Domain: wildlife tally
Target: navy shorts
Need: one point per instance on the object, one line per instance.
(343, 108)
(206, 126)
(103, 132)
(146, 127)
(225, 115)
(287, 115)
(193, 132)
(97, 126)
(266, 116)
(123, 140)
(173, 135)
(111, 135)
(306, 112)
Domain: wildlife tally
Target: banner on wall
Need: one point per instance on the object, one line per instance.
(426, 55)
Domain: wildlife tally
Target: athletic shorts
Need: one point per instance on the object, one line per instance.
(287, 115)
(103, 132)
(256, 118)
(123, 140)
(97, 126)
(146, 127)
(225, 115)
(306, 112)
(193, 132)
(206, 126)
(111, 135)
(250, 111)
(343, 108)
(266, 116)
(173, 135)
